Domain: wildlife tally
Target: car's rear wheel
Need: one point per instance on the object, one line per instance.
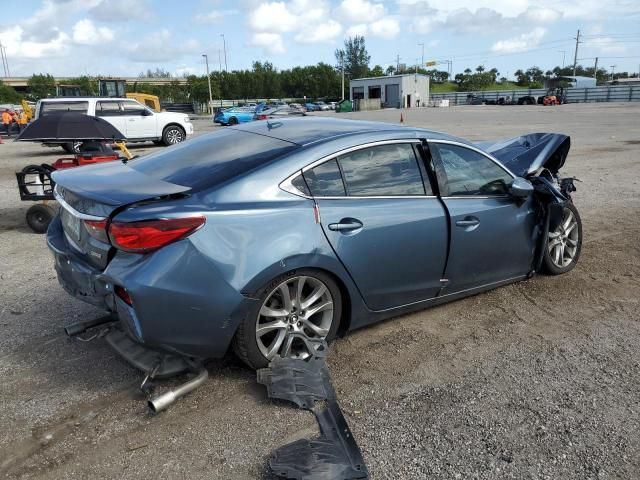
(233, 121)
(173, 134)
(564, 243)
(293, 311)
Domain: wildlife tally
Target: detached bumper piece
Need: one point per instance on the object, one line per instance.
(159, 364)
(335, 454)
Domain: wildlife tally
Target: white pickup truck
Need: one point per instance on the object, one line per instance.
(136, 121)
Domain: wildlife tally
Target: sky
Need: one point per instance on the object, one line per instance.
(126, 37)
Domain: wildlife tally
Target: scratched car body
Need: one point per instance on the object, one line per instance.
(268, 235)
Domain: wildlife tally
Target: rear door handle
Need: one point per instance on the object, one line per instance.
(346, 224)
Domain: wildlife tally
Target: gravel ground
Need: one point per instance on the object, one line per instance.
(539, 379)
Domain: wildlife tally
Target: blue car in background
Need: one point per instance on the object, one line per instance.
(311, 107)
(271, 236)
(236, 115)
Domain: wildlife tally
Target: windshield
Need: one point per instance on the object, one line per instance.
(212, 159)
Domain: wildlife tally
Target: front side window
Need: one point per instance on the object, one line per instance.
(385, 170)
(132, 108)
(465, 172)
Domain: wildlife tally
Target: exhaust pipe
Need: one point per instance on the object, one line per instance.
(84, 325)
(163, 401)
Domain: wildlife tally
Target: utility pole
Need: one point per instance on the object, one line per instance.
(398, 64)
(595, 70)
(206, 61)
(5, 61)
(575, 56)
(563, 53)
(342, 68)
(224, 44)
(613, 67)
(422, 45)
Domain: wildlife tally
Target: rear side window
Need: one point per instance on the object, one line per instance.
(108, 109)
(48, 108)
(385, 170)
(132, 108)
(325, 180)
(212, 159)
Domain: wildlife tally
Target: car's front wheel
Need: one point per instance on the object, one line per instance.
(564, 243)
(292, 314)
(173, 134)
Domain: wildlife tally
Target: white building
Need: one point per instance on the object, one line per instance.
(394, 91)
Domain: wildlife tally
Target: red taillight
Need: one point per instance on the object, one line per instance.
(262, 117)
(123, 294)
(97, 229)
(150, 235)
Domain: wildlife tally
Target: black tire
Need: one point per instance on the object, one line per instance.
(233, 121)
(245, 344)
(39, 217)
(173, 134)
(550, 267)
(158, 142)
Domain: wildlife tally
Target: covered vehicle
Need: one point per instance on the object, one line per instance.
(279, 112)
(272, 235)
(236, 115)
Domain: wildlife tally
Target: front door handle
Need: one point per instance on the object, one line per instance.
(467, 223)
(346, 224)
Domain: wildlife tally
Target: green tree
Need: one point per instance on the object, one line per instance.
(376, 71)
(8, 94)
(41, 86)
(88, 86)
(355, 57)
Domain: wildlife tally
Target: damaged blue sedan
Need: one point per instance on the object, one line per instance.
(269, 236)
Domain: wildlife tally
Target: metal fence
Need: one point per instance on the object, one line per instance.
(612, 93)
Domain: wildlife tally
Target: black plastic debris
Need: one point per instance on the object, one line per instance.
(334, 455)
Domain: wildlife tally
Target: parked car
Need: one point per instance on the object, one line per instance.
(322, 106)
(310, 107)
(297, 106)
(236, 115)
(279, 112)
(265, 237)
(138, 122)
(333, 105)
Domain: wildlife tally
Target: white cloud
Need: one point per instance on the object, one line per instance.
(541, 15)
(359, 11)
(18, 46)
(521, 43)
(385, 28)
(321, 33)
(85, 32)
(423, 24)
(273, 17)
(153, 48)
(355, 30)
(271, 42)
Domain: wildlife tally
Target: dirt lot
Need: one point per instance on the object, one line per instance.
(535, 380)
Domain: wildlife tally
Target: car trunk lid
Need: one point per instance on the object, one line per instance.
(94, 193)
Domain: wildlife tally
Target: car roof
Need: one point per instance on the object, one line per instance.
(82, 99)
(319, 129)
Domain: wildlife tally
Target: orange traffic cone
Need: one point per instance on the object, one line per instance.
(401, 119)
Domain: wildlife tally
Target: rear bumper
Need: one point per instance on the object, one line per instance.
(180, 303)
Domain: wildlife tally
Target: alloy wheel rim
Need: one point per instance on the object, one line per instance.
(174, 135)
(297, 311)
(563, 241)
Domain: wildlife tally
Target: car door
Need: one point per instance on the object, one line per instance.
(140, 121)
(383, 221)
(111, 111)
(491, 232)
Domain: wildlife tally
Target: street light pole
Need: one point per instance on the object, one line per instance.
(422, 45)
(224, 44)
(613, 67)
(342, 68)
(563, 52)
(206, 60)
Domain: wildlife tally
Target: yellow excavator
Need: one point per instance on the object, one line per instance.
(114, 87)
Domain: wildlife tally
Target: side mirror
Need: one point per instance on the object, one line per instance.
(521, 188)
(146, 113)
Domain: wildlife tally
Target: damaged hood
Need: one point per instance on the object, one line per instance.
(526, 154)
